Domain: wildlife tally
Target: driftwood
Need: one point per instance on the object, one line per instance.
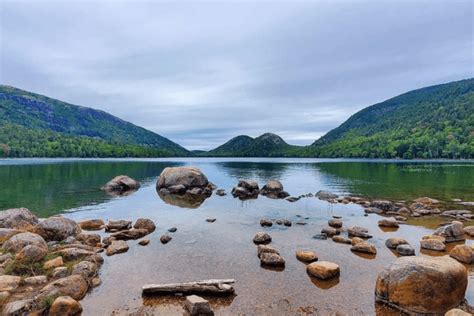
(206, 286)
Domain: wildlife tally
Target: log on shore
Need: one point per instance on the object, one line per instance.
(214, 286)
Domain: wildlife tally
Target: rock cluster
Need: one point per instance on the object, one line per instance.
(246, 189)
(269, 256)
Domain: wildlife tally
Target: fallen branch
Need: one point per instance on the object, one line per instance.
(206, 286)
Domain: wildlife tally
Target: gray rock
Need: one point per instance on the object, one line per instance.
(262, 238)
(118, 225)
(451, 232)
(359, 232)
(87, 269)
(197, 306)
(266, 222)
(405, 250)
(335, 223)
(165, 239)
(189, 177)
(19, 241)
(57, 228)
(18, 218)
(320, 236)
(145, 223)
(271, 259)
(121, 184)
(394, 242)
(117, 246)
(383, 205)
(326, 195)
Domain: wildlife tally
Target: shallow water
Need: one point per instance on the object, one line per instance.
(224, 249)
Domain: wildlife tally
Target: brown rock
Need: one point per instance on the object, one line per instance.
(341, 240)
(265, 222)
(189, 177)
(18, 218)
(388, 222)
(92, 224)
(433, 244)
(359, 232)
(145, 223)
(463, 253)
(117, 246)
(86, 269)
(422, 284)
(65, 306)
(271, 259)
(457, 312)
(469, 230)
(9, 282)
(19, 241)
(144, 242)
(53, 263)
(364, 247)
(394, 242)
(121, 183)
(130, 234)
(356, 240)
(323, 270)
(335, 223)
(165, 239)
(118, 225)
(306, 256)
(265, 248)
(88, 239)
(70, 254)
(330, 231)
(262, 238)
(74, 286)
(451, 232)
(57, 228)
(31, 254)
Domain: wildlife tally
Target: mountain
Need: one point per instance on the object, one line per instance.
(32, 125)
(266, 145)
(432, 122)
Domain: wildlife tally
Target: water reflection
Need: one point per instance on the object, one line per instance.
(185, 200)
(324, 284)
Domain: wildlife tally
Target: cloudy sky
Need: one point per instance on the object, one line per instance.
(200, 73)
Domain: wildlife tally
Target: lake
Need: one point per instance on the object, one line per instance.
(224, 249)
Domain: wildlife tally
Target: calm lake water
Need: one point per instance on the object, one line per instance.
(224, 249)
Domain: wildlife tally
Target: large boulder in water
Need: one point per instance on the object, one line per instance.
(189, 177)
(422, 285)
(18, 218)
(274, 189)
(57, 228)
(121, 183)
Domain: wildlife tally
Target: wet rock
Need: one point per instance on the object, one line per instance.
(246, 189)
(463, 253)
(422, 284)
(359, 232)
(323, 270)
(262, 238)
(265, 222)
(326, 195)
(197, 306)
(221, 192)
(60, 272)
(274, 189)
(335, 223)
(107, 240)
(452, 232)
(130, 234)
(189, 177)
(88, 239)
(210, 220)
(145, 223)
(121, 183)
(172, 229)
(117, 246)
(401, 218)
(144, 242)
(21, 307)
(306, 256)
(92, 224)
(57, 228)
(292, 199)
(165, 239)
(356, 240)
(329, 231)
(394, 242)
(19, 241)
(9, 282)
(458, 214)
(271, 259)
(342, 240)
(65, 306)
(383, 205)
(266, 249)
(35, 280)
(95, 258)
(18, 218)
(31, 254)
(86, 269)
(388, 222)
(118, 225)
(53, 263)
(364, 247)
(432, 244)
(405, 250)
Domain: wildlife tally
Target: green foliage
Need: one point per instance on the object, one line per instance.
(24, 269)
(33, 125)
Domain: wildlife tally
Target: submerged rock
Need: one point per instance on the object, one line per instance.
(306, 256)
(266, 249)
(262, 238)
(323, 270)
(326, 195)
(121, 183)
(425, 285)
(271, 259)
(405, 250)
(57, 228)
(18, 218)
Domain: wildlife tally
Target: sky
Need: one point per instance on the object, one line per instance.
(201, 72)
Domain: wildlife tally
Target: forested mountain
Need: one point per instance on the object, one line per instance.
(432, 122)
(266, 145)
(32, 125)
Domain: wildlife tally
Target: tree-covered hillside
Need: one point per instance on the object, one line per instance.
(33, 125)
(433, 122)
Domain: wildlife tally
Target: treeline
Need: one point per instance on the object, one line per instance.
(17, 142)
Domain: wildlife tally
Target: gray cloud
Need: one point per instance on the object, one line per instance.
(203, 72)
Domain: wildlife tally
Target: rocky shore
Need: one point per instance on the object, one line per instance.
(48, 265)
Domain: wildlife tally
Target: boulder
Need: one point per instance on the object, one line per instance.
(246, 189)
(323, 270)
(117, 246)
(197, 306)
(326, 195)
(31, 254)
(65, 306)
(53, 263)
(266, 249)
(118, 225)
(189, 177)
(74, 286)
(463, 253)
(394, 242)
(57, 228)
(89, 239)
(18, 218)
(92, 224)
(121, 184)
(271, 259)
(451, 232)
(266, 222)
(6, 233)
(86, 269)
(306, 256)
(335, 223)
(274, 189)
(384, 205)
(262, 238)
(364, 247)
(9, 282)
(432, 244)
(422, 284)
(360, 232)
(405, 250)
(341, 240)
(145, 223)
(388, 222)
(17, 242)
